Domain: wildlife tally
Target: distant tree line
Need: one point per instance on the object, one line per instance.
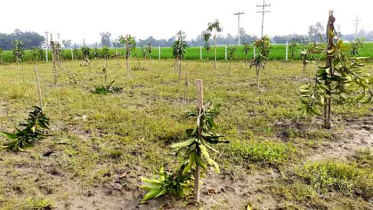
(30, 39)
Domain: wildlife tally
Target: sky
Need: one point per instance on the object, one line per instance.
(86, 19)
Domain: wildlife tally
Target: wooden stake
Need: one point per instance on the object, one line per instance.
(72, 54)
(200, 53)
(39, 89)
(54, 54)
(200, 109)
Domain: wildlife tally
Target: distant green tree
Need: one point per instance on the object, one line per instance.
(179, 49)
(231, 52)
(263, 45)
(293, 48)
(19, 52)
(246, 49)
(130, 45)
(356, 45)
(213, 27)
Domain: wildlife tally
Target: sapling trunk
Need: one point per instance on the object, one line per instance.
(304, 69)
(215, 64)
(54, 63)
(105, 67)
(179, 67)
(329, 64)
(200, 110)
(229, 68)
(257, 76)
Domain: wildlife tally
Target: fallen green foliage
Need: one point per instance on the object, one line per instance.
(33, 131)
(107, 89)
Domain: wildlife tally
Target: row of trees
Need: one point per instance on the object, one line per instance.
(30, 39)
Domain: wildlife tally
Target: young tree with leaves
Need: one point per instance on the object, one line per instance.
(356, 45)
(246, 49)
(96, 54)
(105, 55)
(149, 50)
(130, 45)
(308, 54)
(19, 52)
(341, 80)
(263, 47)
(179, 49)
(207, 48)
(231, 51)
(293, 48)
(213, 28)
(37, 54)
(196, 155)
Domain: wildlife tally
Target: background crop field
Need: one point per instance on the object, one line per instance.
(100, 145)
(278, 52)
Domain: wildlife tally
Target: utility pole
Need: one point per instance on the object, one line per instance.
(239, 35)
(263, 6)
(357, 23)
(46, 49)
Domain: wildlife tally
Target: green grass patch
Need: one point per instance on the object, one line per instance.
(345, 178)
(268, 153)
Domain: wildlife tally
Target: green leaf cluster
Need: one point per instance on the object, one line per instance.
(195, 153)
(33, 130)
(18, 50)
(180, 45)
(107, 89)
(344, 81)
(263, 47)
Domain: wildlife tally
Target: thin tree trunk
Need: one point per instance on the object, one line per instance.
(329, 64)
(304, 69)
(54, 63)
(215, 64)
(257, 76)
(179, 67)
(229, 68)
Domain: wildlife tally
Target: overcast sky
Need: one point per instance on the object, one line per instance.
(78, 19)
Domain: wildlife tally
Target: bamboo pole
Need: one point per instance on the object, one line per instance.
(200, 109)
(39, 88)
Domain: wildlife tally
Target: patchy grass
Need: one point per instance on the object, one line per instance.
(264, 153)
(96, 139)
(345, 178)
(364, 158)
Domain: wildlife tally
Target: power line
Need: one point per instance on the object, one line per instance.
(239, 34)
(357, 23)
(263, 6)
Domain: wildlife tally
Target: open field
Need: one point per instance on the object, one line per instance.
(100, 145)
(278, 52)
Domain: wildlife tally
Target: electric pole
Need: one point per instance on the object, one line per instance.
(357, 23)
(263, 6)
(239, 34)
(46, 47)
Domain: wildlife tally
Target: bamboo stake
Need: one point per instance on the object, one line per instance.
(39, 89)
(200, 109)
